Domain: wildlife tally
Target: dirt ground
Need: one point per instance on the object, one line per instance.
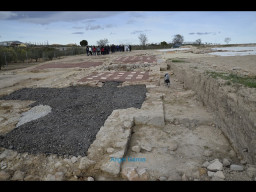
(176, 151)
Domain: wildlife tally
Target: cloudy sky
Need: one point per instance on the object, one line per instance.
(124, 27)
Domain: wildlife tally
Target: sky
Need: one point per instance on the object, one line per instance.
(124, 27)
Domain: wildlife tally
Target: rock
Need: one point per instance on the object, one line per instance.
(162, 178)
(251, 171)
(85, 163)
(174, 177)
(184, 178)
(146, 147)
(216, 179)
(207, 153)
(234, 167)
(236, 68)
(215, 166)
(3, 165)
(73, 159)
(59, 176)
(219, 174)
(111, 167)
(232, 153)
(90, 179)
(130, 173)
(50, 177)
(226, 162)
(210, 173)
(205, 164)
(243, 162)
(58, 164)
(143, 174)
(173, 146)
(136, 148)
(4, 176)
(32, 178)
(110, 150)
(18, 176)
(128, 124)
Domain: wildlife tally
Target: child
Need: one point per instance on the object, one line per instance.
(167, 79)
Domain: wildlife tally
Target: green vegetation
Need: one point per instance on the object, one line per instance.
(35, 53)
(234, 78)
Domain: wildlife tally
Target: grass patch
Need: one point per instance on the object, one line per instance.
(234, 78)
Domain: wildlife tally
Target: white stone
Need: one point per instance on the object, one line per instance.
(110, 150)
(34, 113)
(111, 167)
(50, 177)
(18, 176)
(206, 164)
(210, 173)
(136, 148)
(128, 124)
(226, 162)
(207, 153)
(219, 174)
(90, 179)
(146, 147)
(251, 171)
(130, 173)
(162, 178)
(59, 176)
(85, 163)
(173, 146)
(73, 159)
(234, 167)
(215, 166)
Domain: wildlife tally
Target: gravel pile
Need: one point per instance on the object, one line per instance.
(76, 116)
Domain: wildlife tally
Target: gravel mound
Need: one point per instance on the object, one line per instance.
(76, 116)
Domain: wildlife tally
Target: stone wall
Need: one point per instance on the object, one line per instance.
(234, 107)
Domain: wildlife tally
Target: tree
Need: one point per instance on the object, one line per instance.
(177, 40)
(83, 43)
(198, 41)
(163, 43)
(102, 42)
(227, 39)
(143, 39)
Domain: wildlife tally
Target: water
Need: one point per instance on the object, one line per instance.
(234, 51)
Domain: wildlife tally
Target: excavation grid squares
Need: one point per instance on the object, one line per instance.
(70, 65)
(117, 76)
(136, 59)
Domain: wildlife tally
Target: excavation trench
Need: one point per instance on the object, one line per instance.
(233, 107)
(77, 115)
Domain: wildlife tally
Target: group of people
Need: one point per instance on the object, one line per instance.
(103, 50)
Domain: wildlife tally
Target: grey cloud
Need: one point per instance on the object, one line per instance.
(78, 33)
(109, 26)
(46, 17)
(93, 27)
(77, 27)
(202, 33)
(136, 32)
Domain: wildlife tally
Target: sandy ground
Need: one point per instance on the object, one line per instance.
(189, 126)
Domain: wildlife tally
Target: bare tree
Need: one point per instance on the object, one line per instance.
(198, 41)
(102, 42)
(143, 39)
(227, 40)
(177, 40)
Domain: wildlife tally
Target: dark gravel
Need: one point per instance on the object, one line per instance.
(77, 114)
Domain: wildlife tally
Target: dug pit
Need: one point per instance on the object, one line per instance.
(76, 117)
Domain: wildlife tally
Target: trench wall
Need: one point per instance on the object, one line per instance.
(234, 109)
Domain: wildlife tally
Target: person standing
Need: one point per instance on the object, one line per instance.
(87, 50)
(90, 50)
